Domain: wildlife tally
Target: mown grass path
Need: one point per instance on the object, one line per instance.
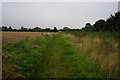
(58, 50)
(64, 61)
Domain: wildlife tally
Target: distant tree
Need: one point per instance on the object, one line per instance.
(47, 30)
(23, 29)
(88, 27)
(113, 23)
(66, 29)
(30, 30)
(4, 28)
(37, 29)
(55, 29)
(10, 28)
(15, 30)
(0, 28)
(100, 25)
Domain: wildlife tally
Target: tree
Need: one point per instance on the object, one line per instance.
(88, 27)
(37, 29)
(0, 28)
(10, 28)
(23, 29)
(4, 28)
(47, 30)
(66, 29)
(55, 29)
(100, 25)
(114, 22)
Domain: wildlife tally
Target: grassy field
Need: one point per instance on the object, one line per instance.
(62, 55)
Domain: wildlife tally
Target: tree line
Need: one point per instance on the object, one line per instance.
(23, 29)
(37, 29)
(112, 24)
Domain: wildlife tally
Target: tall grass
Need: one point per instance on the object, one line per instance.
(103, 47)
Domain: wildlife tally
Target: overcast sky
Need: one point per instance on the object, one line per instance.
(59, 14)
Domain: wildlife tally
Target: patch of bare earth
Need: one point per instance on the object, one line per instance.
(16, 36)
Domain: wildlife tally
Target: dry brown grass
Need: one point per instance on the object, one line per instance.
(109, 65)
(105, 52)
(16, 36)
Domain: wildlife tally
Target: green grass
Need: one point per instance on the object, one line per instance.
(53, 56)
